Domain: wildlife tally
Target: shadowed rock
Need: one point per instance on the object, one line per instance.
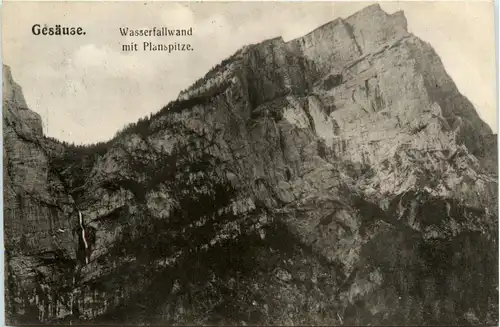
(338, 178)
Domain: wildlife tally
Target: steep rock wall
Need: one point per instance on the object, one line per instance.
(39, 240)
(320, 181)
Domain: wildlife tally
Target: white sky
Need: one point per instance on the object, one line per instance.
(86, 89)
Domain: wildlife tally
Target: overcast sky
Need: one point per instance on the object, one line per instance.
(85, 88)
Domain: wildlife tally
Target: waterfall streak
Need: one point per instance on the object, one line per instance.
(84, 238)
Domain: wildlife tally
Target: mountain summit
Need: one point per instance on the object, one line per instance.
(339, 178)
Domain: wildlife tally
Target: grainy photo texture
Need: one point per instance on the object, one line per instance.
(250, 163)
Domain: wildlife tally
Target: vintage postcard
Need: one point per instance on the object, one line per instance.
(250, 163)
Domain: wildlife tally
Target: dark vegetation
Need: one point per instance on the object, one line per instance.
(76, 161)
(217, 277)
(212, 72)
(232, 278)
(332, 81)
(141, 127)
(76, 153)
(438, 280)
(233, 282)
(427, 281)
(42, 280)
(194, 180)
(356, 170)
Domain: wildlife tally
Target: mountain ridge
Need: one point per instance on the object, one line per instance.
(338, 178)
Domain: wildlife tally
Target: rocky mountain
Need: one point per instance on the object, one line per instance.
(338, 178)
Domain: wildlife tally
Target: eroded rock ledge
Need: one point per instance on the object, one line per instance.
(338, 178)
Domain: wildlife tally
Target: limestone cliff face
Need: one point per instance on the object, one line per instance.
(38, 231)
(339, 178)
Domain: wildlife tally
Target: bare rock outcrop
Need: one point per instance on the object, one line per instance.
(39, 242)
(339, 178)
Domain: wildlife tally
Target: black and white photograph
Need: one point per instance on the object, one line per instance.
(250, 163)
